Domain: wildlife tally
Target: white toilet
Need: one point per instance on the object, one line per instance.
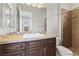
(61, 50)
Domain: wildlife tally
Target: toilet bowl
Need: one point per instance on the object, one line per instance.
(61, 50)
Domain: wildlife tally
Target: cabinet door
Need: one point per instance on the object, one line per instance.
(35, 43)
(0, 50)
(26, 52)
(50, 47)
(17, 53)
(36, 51)
(7, 48)
(49, 51)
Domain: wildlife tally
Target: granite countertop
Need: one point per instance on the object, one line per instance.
(20, 39)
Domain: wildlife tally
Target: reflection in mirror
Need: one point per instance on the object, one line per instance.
(32, 19)
(0, 15)
(6, 15)
(22, 18)
(9, 16)
(25, 21)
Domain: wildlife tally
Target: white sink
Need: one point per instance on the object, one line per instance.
(32, 35)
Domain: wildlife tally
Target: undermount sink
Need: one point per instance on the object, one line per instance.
(32, 35)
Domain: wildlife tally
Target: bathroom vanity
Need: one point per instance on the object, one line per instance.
(25, 19)
(29, 47)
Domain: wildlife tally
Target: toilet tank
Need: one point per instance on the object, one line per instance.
(58, 41)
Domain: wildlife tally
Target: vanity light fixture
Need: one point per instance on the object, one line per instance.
(37, 5)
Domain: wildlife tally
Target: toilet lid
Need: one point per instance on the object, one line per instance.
(62, 49)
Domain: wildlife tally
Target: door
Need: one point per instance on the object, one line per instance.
(66, 28)
(75, 27)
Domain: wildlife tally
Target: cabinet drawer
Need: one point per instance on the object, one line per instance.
(49, 40)
(17, 53)
(50, 45)
(38, 51)
(12, 47)
(35, 43)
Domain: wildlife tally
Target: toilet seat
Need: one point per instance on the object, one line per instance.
(64, 51)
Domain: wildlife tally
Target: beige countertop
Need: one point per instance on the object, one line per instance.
(18, 38)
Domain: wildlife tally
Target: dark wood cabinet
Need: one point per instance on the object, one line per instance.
(26, 52)
(16, 53)
(43, 47)
(36, 48)
(49, 51)
(37, 51)
(35, 43)
(50, 47)
(6, 48)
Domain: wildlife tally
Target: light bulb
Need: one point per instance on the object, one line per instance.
(39, 6)
(28, 4)
(8, 22)
(34, 5)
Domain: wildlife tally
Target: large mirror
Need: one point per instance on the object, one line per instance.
(6, 16)
(25, 21)
(9, 16)
(0, 15)
(22, 18)
(32, 19)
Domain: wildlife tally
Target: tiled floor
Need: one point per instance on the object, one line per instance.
(75, 51)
